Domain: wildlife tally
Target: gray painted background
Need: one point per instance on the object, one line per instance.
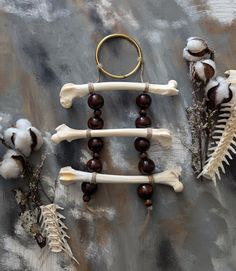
(44, 44)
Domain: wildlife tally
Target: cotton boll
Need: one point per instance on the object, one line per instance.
(23, 142)
(9, 135)
(9, 154)
(218, 91)
(23, 124)
(12, 165)
(196, 45)
(37, 138)
(196, 49)
(204, 70)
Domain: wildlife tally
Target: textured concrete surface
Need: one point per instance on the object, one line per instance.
(44, 44)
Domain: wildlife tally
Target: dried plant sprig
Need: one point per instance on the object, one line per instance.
(201, 69)
(55, 230)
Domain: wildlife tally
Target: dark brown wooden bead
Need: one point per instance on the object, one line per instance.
(145, 191)
(146, 166)
(95, 144)
(97, 113)
(143, 100)
(143, 122)
(95, 123)
(148, 203)
(143, 155)
(141, 144)
(89, 188)
(86, 198)
(95, 101)
(96, 155)
(94, 165)
(143, 112)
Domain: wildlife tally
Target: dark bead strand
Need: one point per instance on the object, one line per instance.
(146, 166)
(95, 102)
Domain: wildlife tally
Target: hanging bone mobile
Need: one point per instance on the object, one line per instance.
(143, 131)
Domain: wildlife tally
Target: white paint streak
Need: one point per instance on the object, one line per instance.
(223, 11)
(117, 154)
(85, 156)
(50, 146)
(5, 120)
(110, 17)
(100, 254)
(34, 9)
(30, 255)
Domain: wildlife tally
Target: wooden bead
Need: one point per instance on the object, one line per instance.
(94, 165)
(143, 100)
(148, 203)
(86, 198)
(143, 155)
(145, 191)
(141, 144)
(96, 155)
(97, 113)
(95, 144)
(95, 101)
(146, 166)
(143, 122)
(89, 188)
(143, 112)
(95, 123)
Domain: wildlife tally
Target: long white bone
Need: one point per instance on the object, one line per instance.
(66, 133)
(231, 76)
(70, 91)
(68, 175)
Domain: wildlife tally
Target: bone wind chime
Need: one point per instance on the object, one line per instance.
(95, 133)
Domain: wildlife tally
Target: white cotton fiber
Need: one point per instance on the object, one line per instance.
(10, 168)
(8, 135)
(9, 154)
(39, 138)
(23, 124)
(23, 142)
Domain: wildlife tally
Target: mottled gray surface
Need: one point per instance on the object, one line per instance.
(44, 44)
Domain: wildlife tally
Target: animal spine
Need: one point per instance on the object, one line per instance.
(223, 142)
(54, 229)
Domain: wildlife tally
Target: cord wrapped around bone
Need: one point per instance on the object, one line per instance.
(68, 175)
(66, 133)
(70, 91)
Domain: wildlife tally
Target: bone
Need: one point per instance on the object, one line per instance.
(70, 91)
(231, 76)
(68, 175)
(66, 133)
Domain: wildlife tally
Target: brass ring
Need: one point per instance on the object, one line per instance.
(131, 40)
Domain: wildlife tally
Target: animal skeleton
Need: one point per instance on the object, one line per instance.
(223, 143)
(69, 175)
(54, 229)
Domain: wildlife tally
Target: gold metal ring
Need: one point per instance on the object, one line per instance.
(122, 36)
